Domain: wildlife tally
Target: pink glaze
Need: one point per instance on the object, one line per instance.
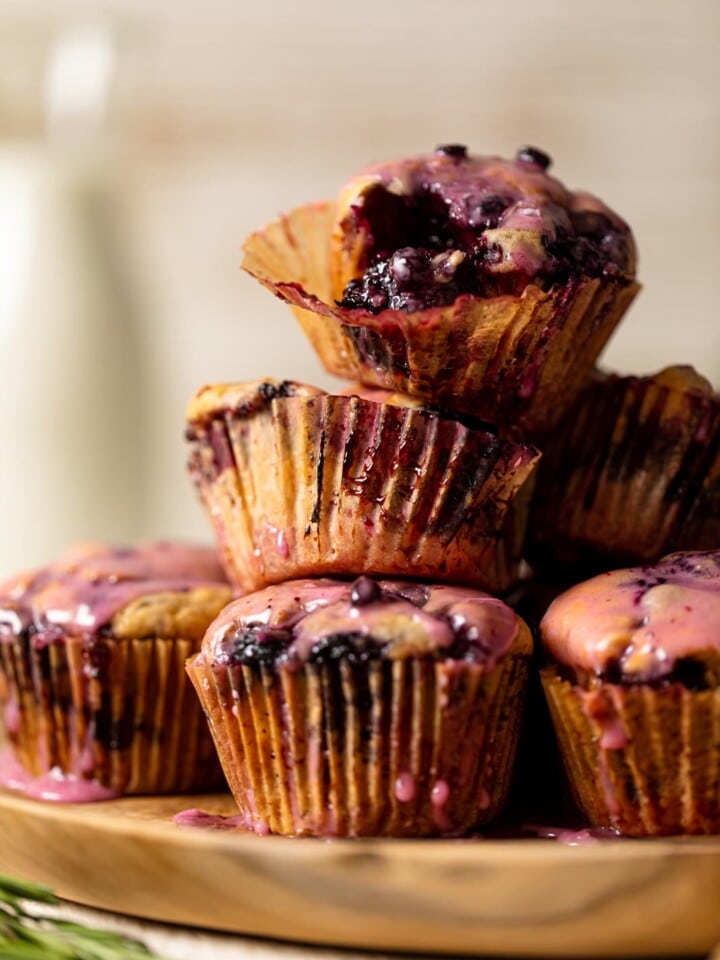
(405, 788)
(439, 796)
(484, 800)
(313, 609)
(575, 838)
(87, 586)
(12, 717)
(54, 786)
(538, 205)
(599, 707)
(381, 620)
(607, 786)
(644, 618)
(214, 821)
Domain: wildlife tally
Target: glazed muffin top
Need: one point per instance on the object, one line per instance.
(161, 588)
(328, 620)
(418, 232)
(643, 624)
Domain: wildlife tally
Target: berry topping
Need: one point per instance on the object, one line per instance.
(258, 645)
(456, 150)
(365, 591)
(425, 232)
(533, 155)
(353, 647)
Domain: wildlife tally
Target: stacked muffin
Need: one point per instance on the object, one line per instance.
(470, 297)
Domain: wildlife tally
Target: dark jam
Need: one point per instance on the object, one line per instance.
(428, 247)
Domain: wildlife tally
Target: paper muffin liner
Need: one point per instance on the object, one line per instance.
(632, 475)
(641, 759)
(507, 359)
(337, 485)
(116, 712)
(404, 748)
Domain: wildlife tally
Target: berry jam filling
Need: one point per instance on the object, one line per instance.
(352, 647)
(258, 645)
(480, 236)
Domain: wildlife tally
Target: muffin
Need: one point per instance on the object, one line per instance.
(632, 474)
(633, 687)
(365, 708)
(480, 284)
(298, 483)
(92, 671)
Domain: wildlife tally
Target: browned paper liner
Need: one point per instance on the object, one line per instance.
(397, 748)
(328, 485)
(120, 712)
(503, 359)
(644, 760)
(631, 475)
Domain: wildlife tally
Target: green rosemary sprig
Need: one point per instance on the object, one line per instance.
(27, 936)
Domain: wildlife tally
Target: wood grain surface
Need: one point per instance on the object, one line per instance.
(507, 897)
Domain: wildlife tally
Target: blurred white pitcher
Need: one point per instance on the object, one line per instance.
(70, 404)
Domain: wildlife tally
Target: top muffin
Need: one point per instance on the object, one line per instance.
(478, 284)
(418, 232)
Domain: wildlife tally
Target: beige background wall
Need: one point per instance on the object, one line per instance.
(224, 113)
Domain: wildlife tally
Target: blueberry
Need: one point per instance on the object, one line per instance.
(486, 213)
(353, 647)
(533, 155)
(259, 645)
(456, 150)
(365, 591)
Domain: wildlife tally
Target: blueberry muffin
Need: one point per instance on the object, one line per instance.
(632, 474)
(299, 483)
(365, 708)
(633, 687)
(92, 655)
(478, 283)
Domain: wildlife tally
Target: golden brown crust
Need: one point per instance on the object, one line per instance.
(250, 396)
(171, 614)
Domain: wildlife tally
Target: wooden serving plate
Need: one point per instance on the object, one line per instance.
(535, 898)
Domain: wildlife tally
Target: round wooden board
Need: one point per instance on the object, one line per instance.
(506, 897)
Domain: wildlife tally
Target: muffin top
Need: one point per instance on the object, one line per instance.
(640, 624)
(153, 589)
(241, 399)
(418, 232)
(327, 620)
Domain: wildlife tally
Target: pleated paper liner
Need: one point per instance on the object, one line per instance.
(404, 748)
(631, 475)
(642, 759)
(520, 360)
(119, 712)
(332, 485)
